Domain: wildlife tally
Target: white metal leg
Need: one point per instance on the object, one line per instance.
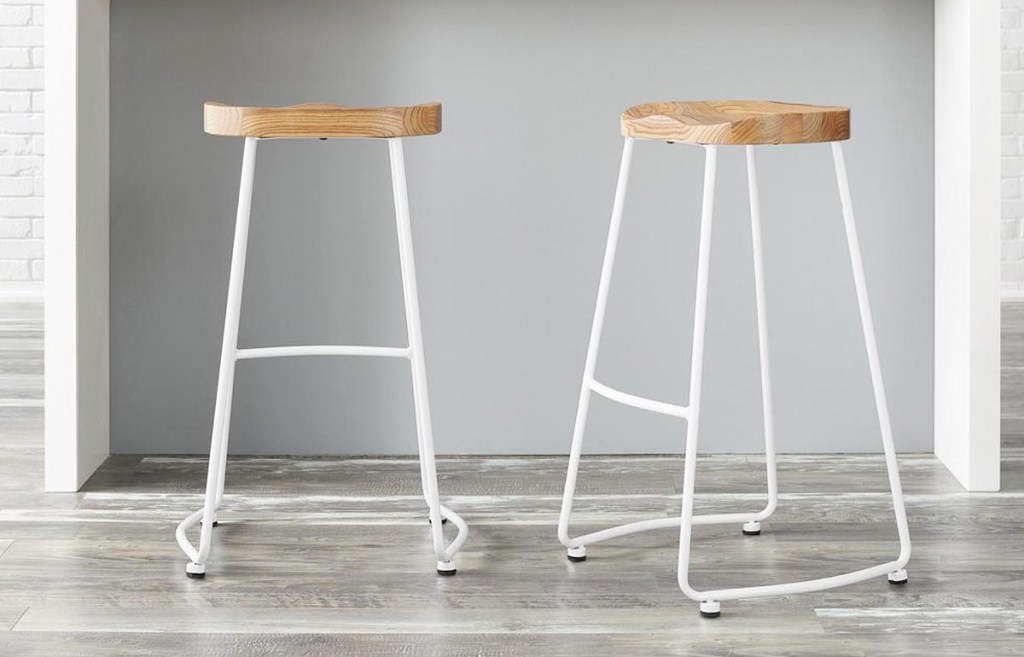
(697, 358)
(868, 326)
(230, 354)
(754, 526)
(576, 546)
(226, 379)
(577, 552)
(424, 431)
(895, 570)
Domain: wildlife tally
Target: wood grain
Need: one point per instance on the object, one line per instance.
(321, 120)
(736, 122)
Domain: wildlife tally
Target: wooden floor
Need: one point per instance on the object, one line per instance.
(331, 557)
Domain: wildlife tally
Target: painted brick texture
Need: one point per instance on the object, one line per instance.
(21, 140)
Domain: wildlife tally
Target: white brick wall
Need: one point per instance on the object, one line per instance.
(21, 141)
(1012, 226)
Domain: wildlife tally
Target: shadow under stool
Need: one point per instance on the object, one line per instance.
(712, 125)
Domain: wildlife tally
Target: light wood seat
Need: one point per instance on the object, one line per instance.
(322, 120)
(736, 122)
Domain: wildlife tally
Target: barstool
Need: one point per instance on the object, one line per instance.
(711, 124)
(321, 121)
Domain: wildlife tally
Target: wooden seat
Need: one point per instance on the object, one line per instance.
(736, 122)
(321, 120)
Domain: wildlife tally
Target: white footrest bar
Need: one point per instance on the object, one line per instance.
(661, 523)
(322, 350)
(655, 406)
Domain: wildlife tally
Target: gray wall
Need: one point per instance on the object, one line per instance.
(510, 210)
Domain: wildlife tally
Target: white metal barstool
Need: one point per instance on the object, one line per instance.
(711, 124)
(321, 121)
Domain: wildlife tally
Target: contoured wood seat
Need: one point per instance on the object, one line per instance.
(322, 120)
(736, 122)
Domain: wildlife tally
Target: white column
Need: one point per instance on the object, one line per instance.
(77, 379)
(967, 240)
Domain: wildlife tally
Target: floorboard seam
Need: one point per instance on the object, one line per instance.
(20, 616)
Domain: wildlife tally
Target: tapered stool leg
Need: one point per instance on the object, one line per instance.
(226, 379)
(708, 607)
(576, 550)
(428, 468)
(899, 573)
(753, 527)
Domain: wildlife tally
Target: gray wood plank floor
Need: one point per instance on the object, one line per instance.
(320, 557)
